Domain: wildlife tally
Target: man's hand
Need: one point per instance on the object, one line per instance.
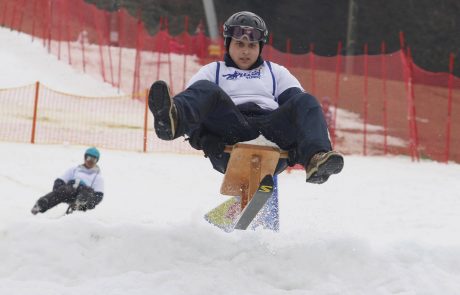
(212, 145)
(82, 199)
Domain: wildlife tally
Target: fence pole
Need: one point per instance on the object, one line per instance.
(109, 46)
(13, 16)
(49, 28)
(34, 17)
(270, 42)
(414, 112)
(337, 90)
(83, 36)
(96, 17)
(312, 68)
(408, 81)
(288, 52)
(146, 117)
(160, 40)
(67, 25)
(449, 108)
(21, 16)
(137, 61)
(120, 46)
(409, 118)
(365, 99)
(5, 8)
(44, 21)
(34, 120)
(59, 28)
(186, 45)
(385, 98)
(112, 80)
(411, 108)
(171, 86)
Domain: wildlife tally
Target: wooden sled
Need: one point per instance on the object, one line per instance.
(247, 166)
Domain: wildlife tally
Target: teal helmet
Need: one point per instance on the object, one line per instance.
(93, 152)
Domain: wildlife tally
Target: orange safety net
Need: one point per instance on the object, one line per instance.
(54, 117)
(38, 114)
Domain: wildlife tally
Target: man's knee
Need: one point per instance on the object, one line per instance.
(204, 84)
(65, 191)
(304, 101)
(205, 88)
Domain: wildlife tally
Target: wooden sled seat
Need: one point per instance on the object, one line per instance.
(247, 166)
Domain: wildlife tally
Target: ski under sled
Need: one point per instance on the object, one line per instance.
(249, 180)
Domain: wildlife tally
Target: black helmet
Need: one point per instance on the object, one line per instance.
(246, 19)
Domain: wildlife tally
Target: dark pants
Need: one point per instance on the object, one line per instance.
(297, 126)
(68, 194)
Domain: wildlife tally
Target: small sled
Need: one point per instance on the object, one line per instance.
(247, 166)
(249, 179)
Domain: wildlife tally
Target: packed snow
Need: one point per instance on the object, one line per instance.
(385, 225)
(24, 62)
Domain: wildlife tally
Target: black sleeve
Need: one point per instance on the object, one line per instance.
(195, 139)
(57, 183)
(287, 94)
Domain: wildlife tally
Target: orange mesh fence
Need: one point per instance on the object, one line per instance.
(38, 114)
(437, 112)
(17, 110)
(61, 118)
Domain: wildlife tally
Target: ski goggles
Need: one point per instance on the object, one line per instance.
(238, 32)
(90, 158)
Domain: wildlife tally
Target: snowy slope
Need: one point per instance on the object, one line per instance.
(24, 62)
(383, 226)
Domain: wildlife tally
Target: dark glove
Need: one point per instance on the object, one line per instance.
(212, 146)
(58, 183)
(194, 139)
(85, 199)
(76, 183)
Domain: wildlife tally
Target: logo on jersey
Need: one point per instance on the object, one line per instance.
(255, 74)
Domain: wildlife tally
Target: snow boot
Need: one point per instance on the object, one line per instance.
(322, 165)
(163, 109)
(36, 209)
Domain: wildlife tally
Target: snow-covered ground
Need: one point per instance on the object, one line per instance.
(383, 226)
(24, 62)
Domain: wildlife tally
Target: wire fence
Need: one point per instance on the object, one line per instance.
(38, 114)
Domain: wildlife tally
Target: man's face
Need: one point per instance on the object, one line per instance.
(90, 161)
(243, 52)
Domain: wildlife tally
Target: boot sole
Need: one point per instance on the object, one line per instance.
(330, 165)
(160, 104)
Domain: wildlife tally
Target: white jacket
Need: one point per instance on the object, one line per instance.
(90, 177)
(261, 85)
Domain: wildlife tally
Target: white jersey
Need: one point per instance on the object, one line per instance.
(90, 177)
(261, 85)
